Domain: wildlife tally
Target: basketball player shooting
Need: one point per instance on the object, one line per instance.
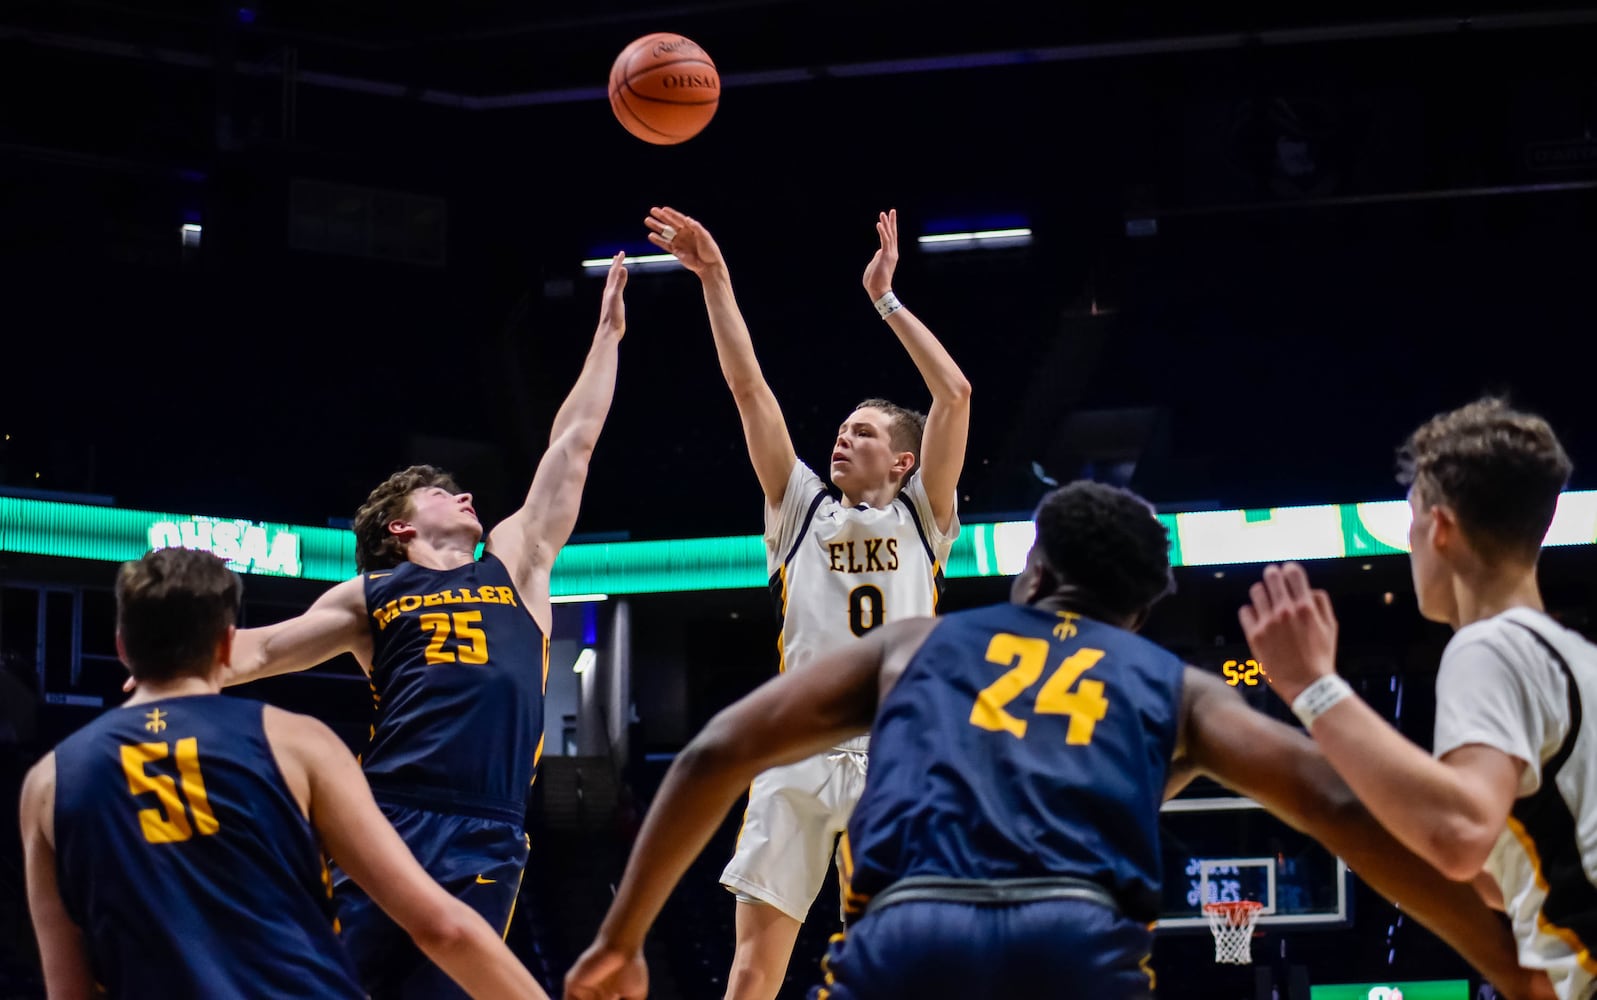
(839, 568)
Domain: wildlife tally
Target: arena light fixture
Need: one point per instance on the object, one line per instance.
(640, 263)
(585, 661)
(980, 239)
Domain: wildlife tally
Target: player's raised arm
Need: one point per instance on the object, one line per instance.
(67, 973)
(790, 717)
(360, 839)
(948, 420)
(529, 540)
(1448, 811)
(765, 430)
(334, 624)
(1249, 752)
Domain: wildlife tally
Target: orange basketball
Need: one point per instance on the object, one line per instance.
(664, 89)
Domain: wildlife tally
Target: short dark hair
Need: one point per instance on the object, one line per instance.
(375, 546)
(172, 607)
(905, 427)
(1499, 469)
(1107, 542)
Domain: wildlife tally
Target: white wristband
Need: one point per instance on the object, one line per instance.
(888, 304)
(1319, 698)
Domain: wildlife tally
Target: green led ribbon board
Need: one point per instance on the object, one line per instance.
(1205, 538)
(1431, 989)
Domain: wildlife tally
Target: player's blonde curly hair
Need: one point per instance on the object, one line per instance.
(1500, 471)
(375, 546)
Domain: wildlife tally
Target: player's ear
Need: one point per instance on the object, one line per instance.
(1444, 528)
(224, 647)
(122, 651)
(1036, 579)
(902, 464)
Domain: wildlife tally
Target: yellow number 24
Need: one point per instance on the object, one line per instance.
(1085, 705)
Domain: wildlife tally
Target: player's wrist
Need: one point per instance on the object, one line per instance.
(1319, 698)
(618, 943)
(886, 303)
(713, 271)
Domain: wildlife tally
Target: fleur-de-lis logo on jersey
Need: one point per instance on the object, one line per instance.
(1066, 628)
(157, 720)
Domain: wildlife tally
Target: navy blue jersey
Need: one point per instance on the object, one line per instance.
(1020, 743)
(183, 856)
(458, 675)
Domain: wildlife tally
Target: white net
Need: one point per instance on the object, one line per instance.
(1232, 924)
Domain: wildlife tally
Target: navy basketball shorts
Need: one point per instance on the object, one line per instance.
(1061, 948)
(479, 861)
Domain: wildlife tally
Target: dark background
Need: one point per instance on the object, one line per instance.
(1362, 214)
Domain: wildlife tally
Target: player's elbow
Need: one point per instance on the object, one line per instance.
(1459, 848)
(445, 931)
(714, 748)
(749, 390)
(718, 751)
(955, 392)
(576, 443)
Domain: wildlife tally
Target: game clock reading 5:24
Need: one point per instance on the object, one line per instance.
(1242, 673)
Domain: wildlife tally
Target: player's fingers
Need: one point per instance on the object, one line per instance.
(1249, 620)
(1275, 583)
(1261, 599)
(1296, 580)
(653, 223)
(1322, 604)
(660, 241)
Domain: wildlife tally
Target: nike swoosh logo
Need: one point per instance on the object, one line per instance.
(486, 881)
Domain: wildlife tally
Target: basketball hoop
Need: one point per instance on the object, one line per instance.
(1232, 924)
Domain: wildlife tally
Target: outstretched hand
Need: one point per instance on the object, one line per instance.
(606, 974)
(613, 307)
(879, 272)
(1291, 629)
(686, 238)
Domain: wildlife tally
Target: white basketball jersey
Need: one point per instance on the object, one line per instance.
(1523, 684)
(837, 572)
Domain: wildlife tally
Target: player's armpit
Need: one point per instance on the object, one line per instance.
(360, 839)
(1282, 768)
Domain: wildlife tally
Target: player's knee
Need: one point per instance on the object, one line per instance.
(752, 978)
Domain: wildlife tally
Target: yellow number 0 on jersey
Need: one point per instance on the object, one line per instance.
(1085, 706)
(170, 823)
(438, 624)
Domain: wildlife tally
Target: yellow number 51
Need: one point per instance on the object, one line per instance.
(170, 823)
(1085, 705)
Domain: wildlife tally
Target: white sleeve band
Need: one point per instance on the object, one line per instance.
(1319, 698)
(888, 304)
